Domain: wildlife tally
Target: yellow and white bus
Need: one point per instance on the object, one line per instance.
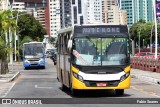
(94, 57)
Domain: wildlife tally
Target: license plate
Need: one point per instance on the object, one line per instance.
(31, 62)
(101, 84)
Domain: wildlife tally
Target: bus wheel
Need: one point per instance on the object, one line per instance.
(25, 68)
(64, 88)
(119, 91)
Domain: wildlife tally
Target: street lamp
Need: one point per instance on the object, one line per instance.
(151, 38)
(143, 43)
(16, 37)
(139, 38)
(155, 22)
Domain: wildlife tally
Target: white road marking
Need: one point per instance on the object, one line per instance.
(36, 86)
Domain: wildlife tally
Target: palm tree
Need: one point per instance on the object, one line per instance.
(6, 24)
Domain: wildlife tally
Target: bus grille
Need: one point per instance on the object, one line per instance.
(108, 83)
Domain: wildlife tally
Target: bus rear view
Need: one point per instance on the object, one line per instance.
(33, 55)
(100, 58)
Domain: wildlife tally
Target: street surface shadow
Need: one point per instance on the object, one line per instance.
(35, 68)
(94, 93)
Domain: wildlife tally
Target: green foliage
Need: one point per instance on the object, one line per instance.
(29, 26)
(7, 23)
(25, 40)
(52, 40)
(144, 30)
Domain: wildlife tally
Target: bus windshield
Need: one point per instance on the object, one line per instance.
(88, 51)
(33, 50)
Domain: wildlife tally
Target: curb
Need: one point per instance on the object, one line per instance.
(146, 78)
(11, 79)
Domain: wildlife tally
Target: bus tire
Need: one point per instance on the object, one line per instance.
(25, 68)
(64, 88)
(119, 91)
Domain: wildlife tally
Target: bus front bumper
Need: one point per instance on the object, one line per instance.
(33, 65)
(77, 84)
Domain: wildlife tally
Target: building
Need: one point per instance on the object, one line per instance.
(143, 10)
(4, 4)
(65, 13)
(19, 6)
(54, 17)
(41, 16)
(34, 7)
(78, 12)
(86, 11)
(111, 13)
(106, 6)
(128, 5)
(115, 16)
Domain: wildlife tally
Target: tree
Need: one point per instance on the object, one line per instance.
(52, 40)
(29, 26)
(6, 24)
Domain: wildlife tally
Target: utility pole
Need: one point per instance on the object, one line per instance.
(155, 23)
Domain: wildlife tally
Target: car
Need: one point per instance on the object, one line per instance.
(53, 56)
(146, 55)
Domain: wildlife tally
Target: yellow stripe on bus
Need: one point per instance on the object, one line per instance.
(75, 70)
(127, 69)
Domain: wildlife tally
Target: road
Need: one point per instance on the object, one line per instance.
(42, 83)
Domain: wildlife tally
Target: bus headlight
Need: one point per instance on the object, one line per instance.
(26, 61)
(124, 76)
(78, 76)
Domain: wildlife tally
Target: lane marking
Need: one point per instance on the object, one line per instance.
(36, 86)
(146, 92)
(5, 94)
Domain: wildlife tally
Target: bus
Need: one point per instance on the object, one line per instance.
(94, 57)
(33, 55)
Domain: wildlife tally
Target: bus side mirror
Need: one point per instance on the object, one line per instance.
(70, 44)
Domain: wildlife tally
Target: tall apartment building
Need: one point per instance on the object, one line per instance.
(86, 11)
(54, 17)
(111, 12)
(65, 13)
(34, 7)
(41, 16)
(78, 12)
(128, 5)
(143, 10)
(19, 6)
(115, 16)
(106, 6)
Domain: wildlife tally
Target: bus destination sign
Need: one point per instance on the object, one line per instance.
(98, 30)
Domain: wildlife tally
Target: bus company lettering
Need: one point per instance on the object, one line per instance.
(75, 53)
(101, 30)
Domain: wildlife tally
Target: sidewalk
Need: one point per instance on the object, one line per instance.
(149, 76)
(11, 75)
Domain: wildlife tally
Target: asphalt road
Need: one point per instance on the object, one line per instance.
(42, 83)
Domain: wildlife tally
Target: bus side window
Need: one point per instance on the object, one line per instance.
(61, 44)
(58, 44)
(65, 39)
